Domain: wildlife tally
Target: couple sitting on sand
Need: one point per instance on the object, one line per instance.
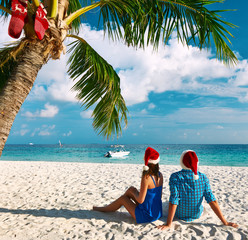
(187, 189)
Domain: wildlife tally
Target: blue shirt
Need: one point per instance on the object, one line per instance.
(188, 194)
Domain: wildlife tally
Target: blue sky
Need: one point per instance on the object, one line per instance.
(175, 95)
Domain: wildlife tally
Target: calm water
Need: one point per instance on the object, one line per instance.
(211, 155)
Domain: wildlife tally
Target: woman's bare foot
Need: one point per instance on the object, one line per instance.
(99, 209)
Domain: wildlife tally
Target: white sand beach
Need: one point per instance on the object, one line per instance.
(50, 200)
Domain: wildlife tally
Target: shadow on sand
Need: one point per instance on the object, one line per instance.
(118, 217)
(68, 214)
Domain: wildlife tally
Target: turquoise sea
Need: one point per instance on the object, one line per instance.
(208, 154)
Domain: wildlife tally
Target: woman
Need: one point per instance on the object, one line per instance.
(144, 205)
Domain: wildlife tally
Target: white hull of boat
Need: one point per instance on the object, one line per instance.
(118, 154)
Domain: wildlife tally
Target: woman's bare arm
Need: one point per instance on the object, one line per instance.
(140, 197)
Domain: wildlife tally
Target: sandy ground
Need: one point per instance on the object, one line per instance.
(47, 200)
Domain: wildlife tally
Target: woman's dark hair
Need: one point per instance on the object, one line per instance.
(153, 170)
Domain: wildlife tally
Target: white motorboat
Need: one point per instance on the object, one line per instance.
(118, 152)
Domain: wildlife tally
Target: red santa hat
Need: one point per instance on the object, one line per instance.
(189, 160)
(151, 156)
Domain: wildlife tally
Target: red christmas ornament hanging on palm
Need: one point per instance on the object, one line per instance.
(18, 18)
(41, 23)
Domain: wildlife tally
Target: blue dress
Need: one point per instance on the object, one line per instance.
(151, 209)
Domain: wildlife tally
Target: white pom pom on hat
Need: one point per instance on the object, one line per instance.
(189, 161)
(151, 156)
(196, 177)
(145, 168)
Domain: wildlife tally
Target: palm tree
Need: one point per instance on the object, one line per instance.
(137, 23)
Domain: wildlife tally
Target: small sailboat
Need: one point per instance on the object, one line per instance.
(60, 144)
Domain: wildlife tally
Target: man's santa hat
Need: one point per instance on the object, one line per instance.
(189, 161)
(151, 156)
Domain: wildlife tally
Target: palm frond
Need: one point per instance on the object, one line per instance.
(36, 3)
(8, 56)
(53, 8)
(6, 5)
(144, 22)
(97, 83)
(74, 5)
(118, 14)
(81, 12)
(194, 22)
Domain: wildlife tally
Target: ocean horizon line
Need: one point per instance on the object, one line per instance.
(208, 154)
(121, 163)
(64, 143)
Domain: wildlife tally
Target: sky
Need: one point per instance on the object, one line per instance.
(177, 95)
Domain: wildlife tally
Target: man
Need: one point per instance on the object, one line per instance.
(187, 189)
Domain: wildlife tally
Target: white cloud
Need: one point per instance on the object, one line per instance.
(4, 37)
(207, 115)
(51, 127)
(34, 132)
(143, 111)
(86, 114)
(44, 130)
(202, 121)
(53, 81)
(241, 76)
(29, 114)
(44, 133)
(49, 112)
(67, 134)
(151, 106)
(23, 132)
(173, 67)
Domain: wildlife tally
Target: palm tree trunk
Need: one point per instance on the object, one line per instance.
(19, 85)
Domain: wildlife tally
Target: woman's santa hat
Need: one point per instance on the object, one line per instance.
(189, 161)
(151, 156)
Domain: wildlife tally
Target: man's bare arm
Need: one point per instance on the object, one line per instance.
(216, 208)
(171, 214)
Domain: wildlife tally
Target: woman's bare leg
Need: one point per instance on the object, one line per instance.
(114, 206)
(131, 192)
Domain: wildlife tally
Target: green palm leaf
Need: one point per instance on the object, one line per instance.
(7, 62)
(97, 83)
(74, 5)
(143, 22)
(118, 14)
(6, 4)
(159, 18)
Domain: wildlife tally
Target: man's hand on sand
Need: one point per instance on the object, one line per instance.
(231, 224)
(164, 227)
